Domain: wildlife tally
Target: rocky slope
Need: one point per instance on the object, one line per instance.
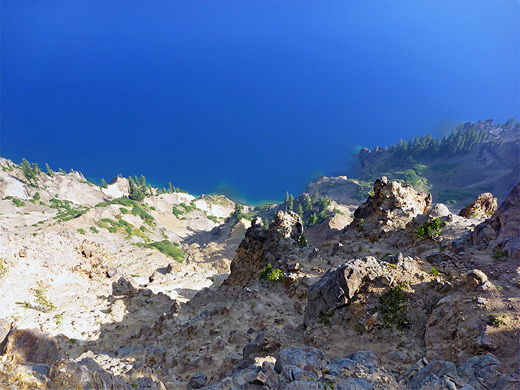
(406, 295)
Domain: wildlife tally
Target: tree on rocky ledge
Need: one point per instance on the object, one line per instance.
(28, 172)
(134, 191)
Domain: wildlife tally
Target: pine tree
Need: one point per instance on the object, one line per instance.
(266, 222)
(104, 183)
(290, 204)
(286, 197)
(315, 197)
(307, 205)
(143, 181)
(170, 188)
(36, 169)
(29, 173)
(299, 210)
(50, 172)
(312, 220)
(134, 192)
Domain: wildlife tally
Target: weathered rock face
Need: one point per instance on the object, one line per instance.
(31, 345)
(67, 374)
(97, 261)
(261, 246)
(392, 206)
(301, 368)
(478, 372)
(452, 336)
(338, 286)
(502, 230)
(483, 207)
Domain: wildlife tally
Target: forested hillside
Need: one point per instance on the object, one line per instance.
(473, 158)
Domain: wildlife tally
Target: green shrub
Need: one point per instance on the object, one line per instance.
(431, 229)
(36, 196)
(81, 231)
(42, 303)
(177, 211)
(94, 229)
(271, 275)
(393, 308)
(18, 202)
(213, 218)
(500, 255)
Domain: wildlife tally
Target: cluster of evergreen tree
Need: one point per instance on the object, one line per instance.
(137, 189)
(460, 140)
(171, 189)
(311, 210)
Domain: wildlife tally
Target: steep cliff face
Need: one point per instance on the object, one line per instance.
(260, 246)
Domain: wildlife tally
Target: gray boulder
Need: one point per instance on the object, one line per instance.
(338, 286)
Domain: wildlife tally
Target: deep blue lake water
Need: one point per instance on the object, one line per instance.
(250, 99)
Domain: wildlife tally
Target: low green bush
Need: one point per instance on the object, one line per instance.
(271, 275)
(431, 229)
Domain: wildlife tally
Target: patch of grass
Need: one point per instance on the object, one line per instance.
(393, 308)
(271, 275)
(431, 229)
(177, 211)
(81, 231)
(166, 247)
(94, 229)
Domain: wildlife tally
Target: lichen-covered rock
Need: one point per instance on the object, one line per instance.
(32, 346)
(338, 286)
(391, 206)
(502, 230)
(482, 207)
(262, 246)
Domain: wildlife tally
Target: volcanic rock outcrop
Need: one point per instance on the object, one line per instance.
(483, 207)
(391, 206)
(502, 230)
(275, 245)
